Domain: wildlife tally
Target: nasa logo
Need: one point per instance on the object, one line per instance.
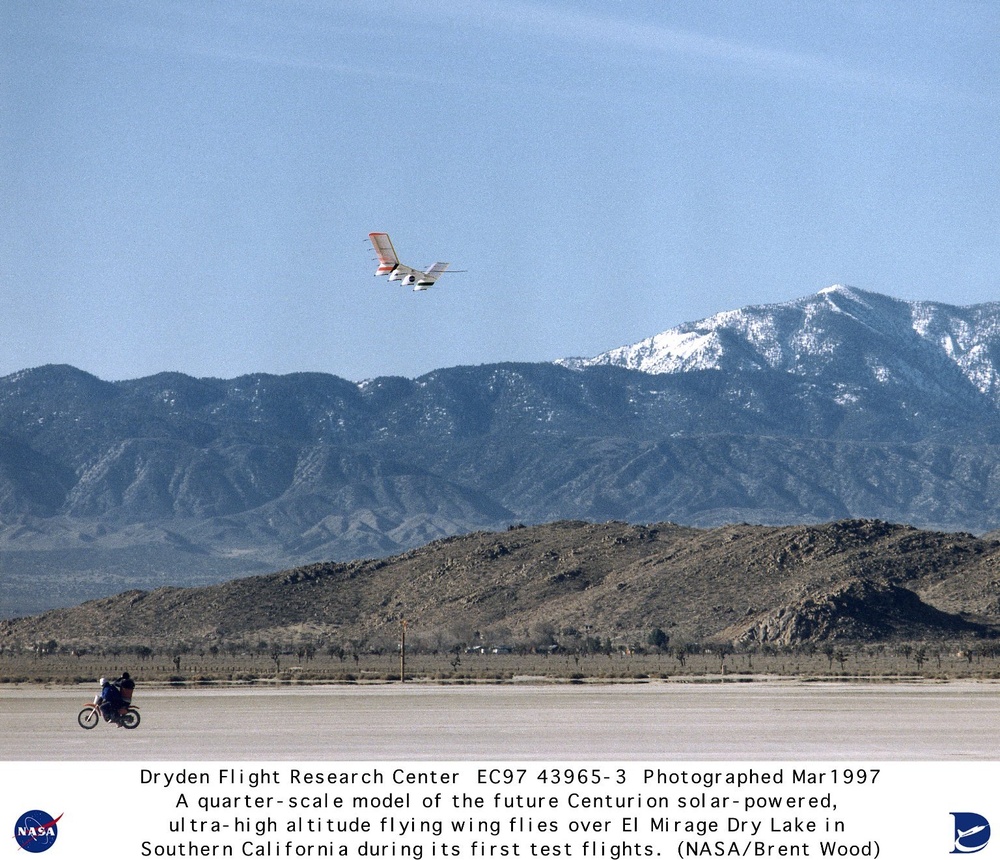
(972, 832)
(36, 831)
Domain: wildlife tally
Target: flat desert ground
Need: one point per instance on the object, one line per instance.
(766, 720)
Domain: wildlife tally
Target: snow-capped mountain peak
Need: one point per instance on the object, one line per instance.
(841, 332)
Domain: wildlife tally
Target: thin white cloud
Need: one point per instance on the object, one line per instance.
(285, 36)
(609, 34)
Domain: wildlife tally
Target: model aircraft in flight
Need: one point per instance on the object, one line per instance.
(388, 264)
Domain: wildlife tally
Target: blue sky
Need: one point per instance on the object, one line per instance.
(189, 185)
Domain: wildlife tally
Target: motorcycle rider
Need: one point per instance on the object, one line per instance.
(126, 685)
(111, 700)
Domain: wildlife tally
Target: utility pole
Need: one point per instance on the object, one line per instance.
(402, 652)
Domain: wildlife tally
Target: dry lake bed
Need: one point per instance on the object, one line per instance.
(764, 720)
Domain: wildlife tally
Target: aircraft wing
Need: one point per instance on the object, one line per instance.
(436, 271)
(423, 280)
(387, 259)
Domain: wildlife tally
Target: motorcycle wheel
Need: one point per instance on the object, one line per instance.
(88, 718)
(130, 719)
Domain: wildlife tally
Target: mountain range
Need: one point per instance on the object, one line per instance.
(843, 404)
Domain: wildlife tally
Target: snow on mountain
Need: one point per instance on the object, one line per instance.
(841, 331)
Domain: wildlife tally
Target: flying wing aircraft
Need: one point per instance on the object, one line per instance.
(388, 264)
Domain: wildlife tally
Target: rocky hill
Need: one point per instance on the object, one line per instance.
(853, 580)
(838, 405)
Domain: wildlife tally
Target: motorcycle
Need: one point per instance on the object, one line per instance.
(88, 718)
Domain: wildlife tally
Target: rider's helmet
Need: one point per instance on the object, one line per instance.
(125, 675)
(103, 681)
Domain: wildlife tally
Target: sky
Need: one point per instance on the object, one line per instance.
(189, 186)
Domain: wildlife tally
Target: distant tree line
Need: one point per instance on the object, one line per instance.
(545, 639)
